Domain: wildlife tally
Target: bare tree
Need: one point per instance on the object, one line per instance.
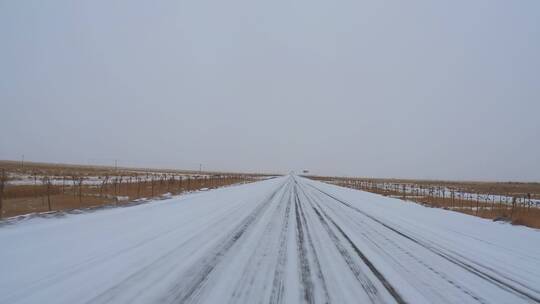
(152, 183)
(80, 182)
(74, 180)
(138, 186)
(3, 182)
(47, 183)
(128, 183)
(103, 183)
(115, 183)
(120, 184)
(34, 175)
(513, 206)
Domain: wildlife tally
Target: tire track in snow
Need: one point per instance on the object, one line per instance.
(463, 264)
(165, 260)
(312, 250)
(278, 284)
(290, 243)
(66, 273)
(190, 285)
(376, 238)
(303, 265)
(264, 249)
(362, 278)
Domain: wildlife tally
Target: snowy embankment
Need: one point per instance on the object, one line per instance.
(284, 240)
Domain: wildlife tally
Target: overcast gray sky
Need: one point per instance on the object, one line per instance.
(421, 89)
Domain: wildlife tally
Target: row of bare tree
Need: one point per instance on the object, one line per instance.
(505, 205)
(110, 188)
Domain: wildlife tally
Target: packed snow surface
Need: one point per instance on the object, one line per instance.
(284, 240)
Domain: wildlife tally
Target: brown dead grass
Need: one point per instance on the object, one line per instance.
(27, 199)
(41, 197)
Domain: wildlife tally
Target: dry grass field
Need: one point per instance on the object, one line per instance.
(42, 187)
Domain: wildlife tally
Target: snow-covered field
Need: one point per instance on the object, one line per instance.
(284, 240)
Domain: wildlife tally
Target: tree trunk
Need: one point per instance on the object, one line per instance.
(3, 180)
(49, 194)
(80, 190)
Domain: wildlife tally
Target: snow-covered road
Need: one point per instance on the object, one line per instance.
(284, 240)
